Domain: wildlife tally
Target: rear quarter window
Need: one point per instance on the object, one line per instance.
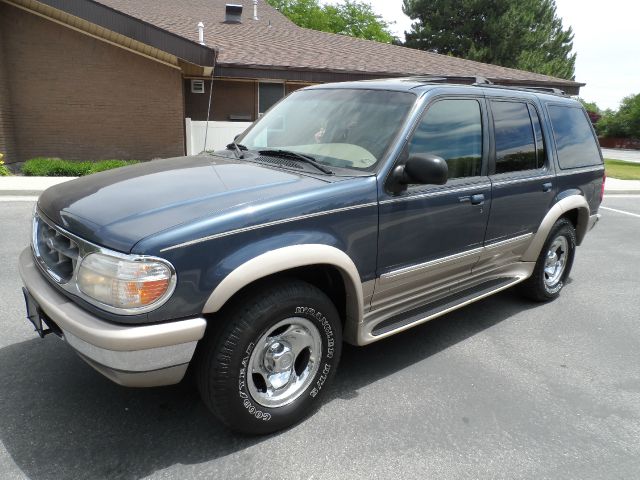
(575, 142)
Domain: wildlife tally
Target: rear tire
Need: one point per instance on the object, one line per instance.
(553, 265)
(271, 358)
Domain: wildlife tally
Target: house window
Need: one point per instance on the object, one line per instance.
(268, 95)
(197, 86)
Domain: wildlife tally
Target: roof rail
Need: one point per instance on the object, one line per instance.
(531, 88)
(473, 80)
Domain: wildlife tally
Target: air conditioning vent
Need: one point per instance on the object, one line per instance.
(197, 86)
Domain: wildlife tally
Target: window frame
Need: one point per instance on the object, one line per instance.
(545, 143)
(455, 182)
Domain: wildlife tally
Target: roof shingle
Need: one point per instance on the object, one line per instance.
(274, 41)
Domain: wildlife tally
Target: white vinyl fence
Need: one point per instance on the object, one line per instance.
(220, 134)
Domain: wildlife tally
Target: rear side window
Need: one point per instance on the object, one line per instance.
(575, 142)
(452, 129)
(515, 139)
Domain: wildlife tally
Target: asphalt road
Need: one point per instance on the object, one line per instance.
(620, 154)
(501, 389)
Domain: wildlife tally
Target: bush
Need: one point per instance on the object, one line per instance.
(4, 170)
(56, 167)
(625, 123)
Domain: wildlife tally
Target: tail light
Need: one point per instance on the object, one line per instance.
(604, 179)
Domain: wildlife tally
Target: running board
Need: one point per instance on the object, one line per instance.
(442, 306)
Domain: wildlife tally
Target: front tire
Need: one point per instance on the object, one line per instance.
(267, 366)
(554, 263)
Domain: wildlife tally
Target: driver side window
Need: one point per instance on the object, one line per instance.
(452, 129)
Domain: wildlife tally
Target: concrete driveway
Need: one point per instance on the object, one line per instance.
(502, 389)
(619, 154)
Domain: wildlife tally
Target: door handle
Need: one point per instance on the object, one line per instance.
(546, 187)
(477, 199)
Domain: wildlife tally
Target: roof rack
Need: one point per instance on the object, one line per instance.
(473, 80)
(531, 88)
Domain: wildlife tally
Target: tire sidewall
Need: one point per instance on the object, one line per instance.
(566, 231)
(249, 414)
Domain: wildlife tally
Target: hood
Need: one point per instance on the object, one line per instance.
(118, 208)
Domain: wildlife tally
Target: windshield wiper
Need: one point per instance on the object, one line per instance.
(237, 148)
(296, 156)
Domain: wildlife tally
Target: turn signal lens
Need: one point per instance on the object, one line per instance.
(121, 283)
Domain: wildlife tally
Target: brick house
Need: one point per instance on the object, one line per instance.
(95, 79)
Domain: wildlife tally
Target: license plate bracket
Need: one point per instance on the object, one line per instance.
(35, 314)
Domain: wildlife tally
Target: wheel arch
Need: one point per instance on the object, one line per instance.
(299, 260)
(573, 207)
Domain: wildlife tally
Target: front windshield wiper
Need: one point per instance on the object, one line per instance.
(237, 148)
(296, 156)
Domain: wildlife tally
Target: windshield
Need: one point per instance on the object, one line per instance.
(349, 128)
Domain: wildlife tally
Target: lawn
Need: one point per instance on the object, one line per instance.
(622, 170)
(56, 167)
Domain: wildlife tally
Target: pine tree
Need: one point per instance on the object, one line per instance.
(523, 34)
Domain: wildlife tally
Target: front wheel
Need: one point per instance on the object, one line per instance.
(268, 365)
(553, 264)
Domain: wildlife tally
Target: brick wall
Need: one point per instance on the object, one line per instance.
(77, 97)
(7, 143)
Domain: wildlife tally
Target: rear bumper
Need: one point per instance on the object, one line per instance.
(593, 220)
(135, 356)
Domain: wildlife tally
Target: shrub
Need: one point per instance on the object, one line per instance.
(56, 167)
(4, 170)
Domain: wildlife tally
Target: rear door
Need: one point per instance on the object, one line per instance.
(522, 181)
(431, 235)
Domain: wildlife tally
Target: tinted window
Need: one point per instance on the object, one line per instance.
(515, 143)
(541, 155)
(575, 142)
(268, 95)
(452, 129)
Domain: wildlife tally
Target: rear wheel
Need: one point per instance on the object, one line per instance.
(554, 263)
(267, 366)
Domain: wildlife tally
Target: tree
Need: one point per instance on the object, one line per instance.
(595, 114)
(352, 18)
(624, 123)
(523, 34)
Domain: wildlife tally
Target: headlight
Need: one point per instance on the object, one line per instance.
(125, 284)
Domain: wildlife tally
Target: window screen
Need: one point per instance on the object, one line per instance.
(575, 142)
(452, 129)
(268, 95)
(515, 143)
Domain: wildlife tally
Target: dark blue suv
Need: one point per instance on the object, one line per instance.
(349, 212)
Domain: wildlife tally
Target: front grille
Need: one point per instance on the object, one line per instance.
(57, 252)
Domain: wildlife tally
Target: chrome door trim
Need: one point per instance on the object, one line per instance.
(391, 276)
(436, 193)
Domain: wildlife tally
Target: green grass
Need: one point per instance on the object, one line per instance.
(622, 170)
(56, 167)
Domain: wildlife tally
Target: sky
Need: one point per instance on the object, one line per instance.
(606, 40)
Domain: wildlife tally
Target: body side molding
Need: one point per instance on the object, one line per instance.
(286, 258)
(568, 203)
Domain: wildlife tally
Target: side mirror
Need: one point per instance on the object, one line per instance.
(422, 169)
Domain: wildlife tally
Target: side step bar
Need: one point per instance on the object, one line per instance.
(442, 306)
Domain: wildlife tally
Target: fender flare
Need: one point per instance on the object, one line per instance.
(286, 258)
(571, 202)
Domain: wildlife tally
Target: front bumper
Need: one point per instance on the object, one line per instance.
(134, 356)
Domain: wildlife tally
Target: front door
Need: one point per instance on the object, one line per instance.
(431, 235)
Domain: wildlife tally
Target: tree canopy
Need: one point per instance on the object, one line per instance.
(625, 122)
(523, 34)
(353, 18)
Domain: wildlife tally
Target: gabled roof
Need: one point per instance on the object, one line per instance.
(274, 42)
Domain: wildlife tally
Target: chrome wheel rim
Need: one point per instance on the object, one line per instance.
(556, 261)
(284, 362)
